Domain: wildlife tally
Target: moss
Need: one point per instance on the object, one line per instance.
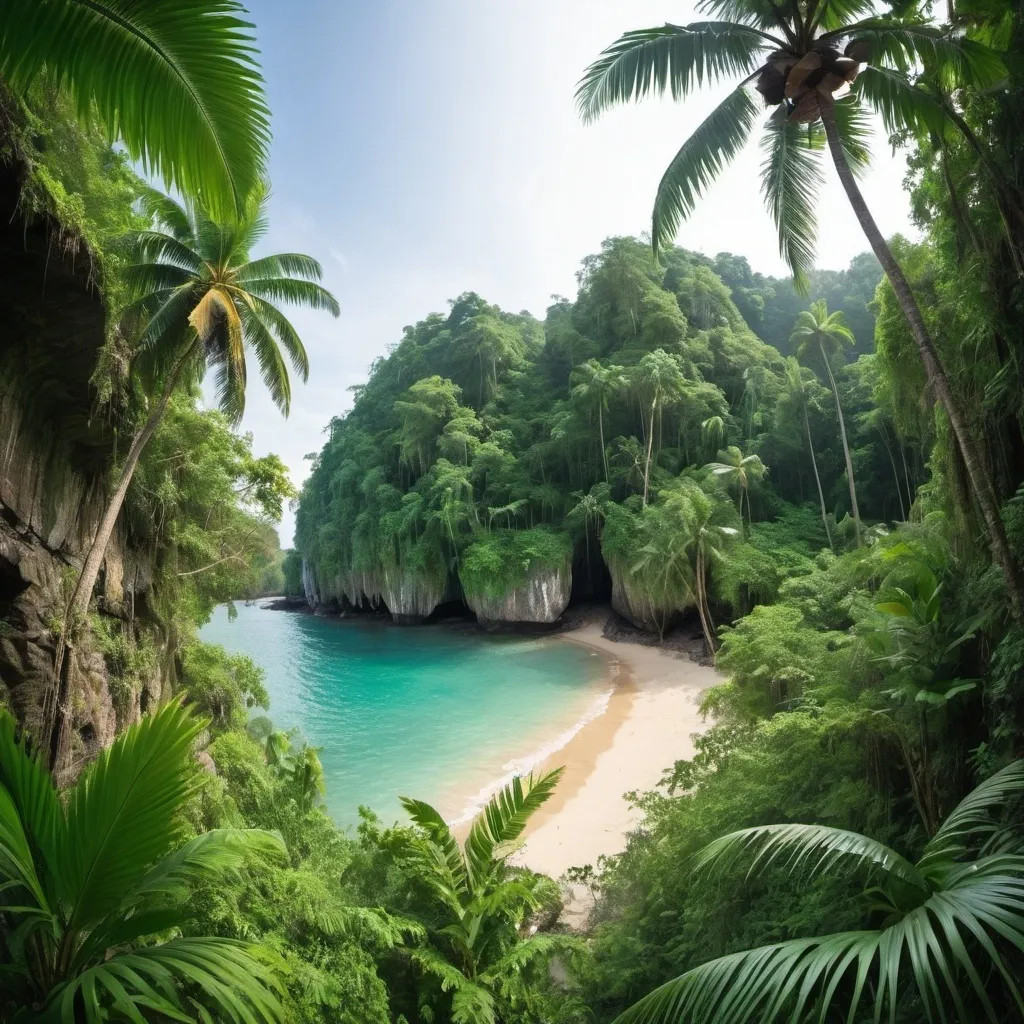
(498, 562)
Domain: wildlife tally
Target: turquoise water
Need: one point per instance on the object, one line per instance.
(429, 712)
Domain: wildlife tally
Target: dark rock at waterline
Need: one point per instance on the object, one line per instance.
(686, 638)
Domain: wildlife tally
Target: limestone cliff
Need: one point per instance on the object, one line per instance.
(633, 604)
(540, 598)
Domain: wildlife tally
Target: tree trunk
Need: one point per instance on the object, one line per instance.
(702, 607)
(846, 444)
(650, 445)
(937, 379)
(817, 479)
(600, 428)
(78, 605)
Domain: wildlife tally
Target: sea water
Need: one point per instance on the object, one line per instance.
(438, 713)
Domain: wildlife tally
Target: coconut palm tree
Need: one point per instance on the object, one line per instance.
(178, 83)
(92, 882)
(478, 901)
(202, 301)
(658, 382)
(597, 385)
(818, 332)
(738, 470)
(945, 926)
(712, 432)
(801, 58)
(795, 393)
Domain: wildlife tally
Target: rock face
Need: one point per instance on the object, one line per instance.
(408, 597)
(632, 604)
(540, 598)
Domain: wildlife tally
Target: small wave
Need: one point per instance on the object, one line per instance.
(524, 765)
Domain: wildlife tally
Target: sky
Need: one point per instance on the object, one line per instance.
(424, 149)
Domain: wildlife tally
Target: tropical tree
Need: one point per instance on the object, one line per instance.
(177, 83)
(658, 382)
(796, 394)
(801, 58)
(596, 385)
(712, 432)
(818, 332)
(478, 902)
(92, 886)
(202, 302)
(946, 924)
(738, 470)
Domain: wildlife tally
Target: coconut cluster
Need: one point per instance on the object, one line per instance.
(800, 81)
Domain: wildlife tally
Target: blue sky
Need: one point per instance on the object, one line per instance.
(423, 149)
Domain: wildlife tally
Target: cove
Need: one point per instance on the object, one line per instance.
(433, 712)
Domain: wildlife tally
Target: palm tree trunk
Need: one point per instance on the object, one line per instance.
(650, 445)
(895, 474)
(846, 444)
(817, 479)
(983, 491)
(600, 428)
(702, 608)
(59, 713)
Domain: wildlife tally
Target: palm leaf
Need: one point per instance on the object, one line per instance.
(901, 104)
(294, 290)
(791, 176)
(444, 855)
(122, 815)
(285, 332)
(816, 849)
(711, 147)
(177, 82)
(285, 264)
(974, 816)
(268, 355)
(670, 58)
(503, 820)
(855, 133)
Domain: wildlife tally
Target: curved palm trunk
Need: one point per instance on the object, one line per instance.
(983, 491)
(600, 428)
(702, 606)
(650, 446)
(57, 715)
(846, 444)
(817, 480)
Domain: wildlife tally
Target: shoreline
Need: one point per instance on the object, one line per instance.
(649, 724)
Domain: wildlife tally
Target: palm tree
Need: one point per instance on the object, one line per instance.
(178, 83)
(478, 901)
(203, 301)
(797, 394)
(89, 881)
(658, 382)
(739, 470)
(790, 53)
(817, 331)
(712, 432)
(597, 384)
(947, 921)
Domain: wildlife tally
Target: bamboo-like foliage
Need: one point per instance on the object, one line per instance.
(178, 83)
(950, 923)
(88, 887)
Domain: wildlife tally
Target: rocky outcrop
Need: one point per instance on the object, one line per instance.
(632, 603)
(410, 598)
(407, 596)
(540, 599)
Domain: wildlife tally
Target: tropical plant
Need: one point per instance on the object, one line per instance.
(791, 55)
(203, 301)
(945, 926)
(658, 382)
(596, 385)
(818, 332)
(479, 901)
(739, 471)
(712, 433)
(90, 896)
(178, 83)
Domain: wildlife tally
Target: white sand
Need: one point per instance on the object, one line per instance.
(649, 725)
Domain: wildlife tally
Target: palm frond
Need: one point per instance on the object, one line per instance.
(296, 291)
(231, 981)
(177, 82)
(169, 320)
(158, 246)
(711, 147)
(974, 816)
(815, 849)
(671, 58)
(503, 820)
(791, 177)
(855, 133)
(285, 332)
(900, 103)
(166, 213)
(445, 857)
(285, 264)
(268, 355)
(129, 801)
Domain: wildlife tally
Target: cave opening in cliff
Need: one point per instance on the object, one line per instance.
(448, 611)
(12, 586)
(591, 580)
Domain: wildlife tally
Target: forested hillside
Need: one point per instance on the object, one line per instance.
(499, 458)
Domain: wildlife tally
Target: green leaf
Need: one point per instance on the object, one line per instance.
(711, 147)
(177, 82)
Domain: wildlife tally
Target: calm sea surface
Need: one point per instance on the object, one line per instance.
(429, 712)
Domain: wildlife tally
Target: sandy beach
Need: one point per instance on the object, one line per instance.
(649, 724)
